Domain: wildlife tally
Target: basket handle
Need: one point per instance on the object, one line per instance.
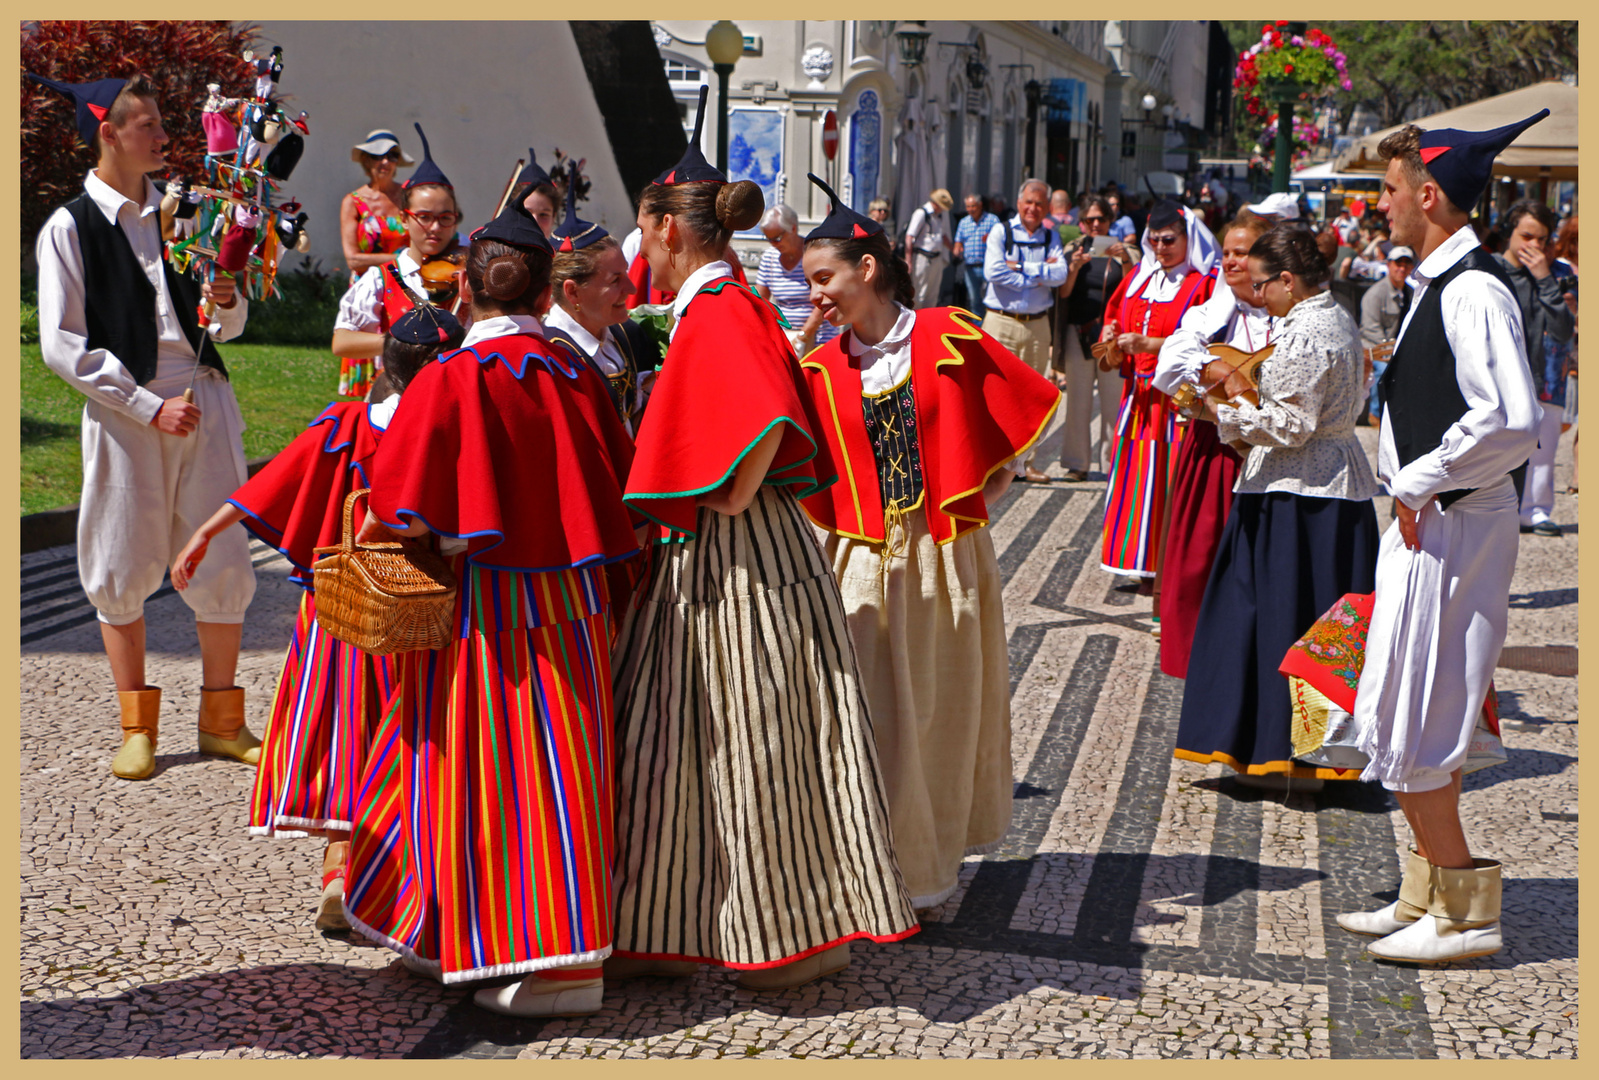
(348, 544)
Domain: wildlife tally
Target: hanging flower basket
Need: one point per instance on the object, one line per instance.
(1281, 68)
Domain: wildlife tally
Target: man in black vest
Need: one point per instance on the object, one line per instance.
(119, 325)
(1460, 417)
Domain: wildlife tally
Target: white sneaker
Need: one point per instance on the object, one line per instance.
(535, 996)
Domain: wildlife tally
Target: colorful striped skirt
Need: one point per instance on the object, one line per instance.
(752, 827)
(483, 830)
(329, 700)
(1140, 480)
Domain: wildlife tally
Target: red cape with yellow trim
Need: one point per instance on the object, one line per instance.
(296, 502)
(977, 407)
(514, 445)
(728, 377)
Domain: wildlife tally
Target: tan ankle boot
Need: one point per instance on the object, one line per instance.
(1462, 919)
(222, 730)
(141, 709)
(1415, 893)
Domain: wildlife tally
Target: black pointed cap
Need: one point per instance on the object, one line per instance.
(427, 172)
(426, 324)
(533, 174)
(515, 226)
(573, 233)
(1462, 161)
(693, 168)
(92, 99)
(841, 222)
(1166, 212)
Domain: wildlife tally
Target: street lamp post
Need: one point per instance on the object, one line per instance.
(724, 44)
(1285, 94)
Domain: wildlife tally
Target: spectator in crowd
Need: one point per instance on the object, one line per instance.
(1346, 226)
(1382, 310)
(1528, 225)
(997, 207)
(970, 237)
(1121, 226)
(1562, 355)
(1080, 311)
(1062, 213)
(881, 211)
(928, 246)
(1024, 266)
(371, 228)
(781, 279)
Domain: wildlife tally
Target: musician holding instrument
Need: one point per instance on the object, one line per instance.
(1302, 531)
(1234, 324)
(1382, 310)
(120, 326)
(430, 265)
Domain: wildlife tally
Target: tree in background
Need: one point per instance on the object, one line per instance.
(180, 57)
(1400, 70)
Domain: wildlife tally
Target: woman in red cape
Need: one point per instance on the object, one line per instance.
(924, 413)
(482, 842)
(752, 830)
(330, 693)
(1146, 307)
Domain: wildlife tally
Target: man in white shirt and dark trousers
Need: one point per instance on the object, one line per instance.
(928, 246)
(1024, 264)
(1460, 417)
(120, 325)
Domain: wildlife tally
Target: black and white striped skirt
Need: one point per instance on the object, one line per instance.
(752, 827)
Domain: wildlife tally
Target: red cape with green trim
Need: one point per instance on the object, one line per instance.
(514, 445)
(296, 502)
(728, 377)
(977, 407)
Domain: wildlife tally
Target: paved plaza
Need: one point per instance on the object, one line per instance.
(1140, 906)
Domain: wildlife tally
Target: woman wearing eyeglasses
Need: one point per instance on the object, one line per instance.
(1090, 281)
(389, 289)
(1301, 532)
(1174, 275)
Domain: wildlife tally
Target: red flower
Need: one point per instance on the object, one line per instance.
(1282, 22)
(1288, 69)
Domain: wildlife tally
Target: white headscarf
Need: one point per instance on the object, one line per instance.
(1203, 255)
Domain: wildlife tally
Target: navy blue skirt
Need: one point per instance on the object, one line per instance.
(1283, 560)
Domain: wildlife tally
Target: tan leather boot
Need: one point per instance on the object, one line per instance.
(1415, 893)
(141, 709)
(222, 730)
(1462, 919)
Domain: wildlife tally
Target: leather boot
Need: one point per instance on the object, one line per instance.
(141, 709)
(1415, 890)
(573, 991)
(798, 972)
(222, 730)
(1463, 922)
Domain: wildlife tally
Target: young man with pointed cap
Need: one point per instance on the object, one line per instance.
(121, 327)
(1460, 418)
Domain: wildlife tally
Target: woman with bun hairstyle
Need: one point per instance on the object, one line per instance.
(330, 694)
(923, 412)
(1301, 532)
(482, 840)
(752, 829)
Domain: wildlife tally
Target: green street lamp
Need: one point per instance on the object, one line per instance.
(724, 44)
(1283, 93)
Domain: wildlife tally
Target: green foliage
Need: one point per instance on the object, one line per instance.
(30, 307)
(656, 321)
(280, 390)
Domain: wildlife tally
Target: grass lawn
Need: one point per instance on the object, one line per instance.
(280, 388)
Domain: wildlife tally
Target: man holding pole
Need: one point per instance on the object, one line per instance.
(122, 327)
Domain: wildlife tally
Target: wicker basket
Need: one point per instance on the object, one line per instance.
(382, 598)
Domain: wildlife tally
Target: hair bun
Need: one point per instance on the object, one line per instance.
(506, 278)
(740, 205)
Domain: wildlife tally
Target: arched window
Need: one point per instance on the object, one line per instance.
(984, 157)
(955, 138)
(1011, 144)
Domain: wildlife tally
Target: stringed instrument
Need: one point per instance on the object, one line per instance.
(440, 277)
(1213, 378)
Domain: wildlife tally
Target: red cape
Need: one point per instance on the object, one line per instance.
(295, 503)
(514, 446)
(728, 377)
(977, 407)
(1164, 315)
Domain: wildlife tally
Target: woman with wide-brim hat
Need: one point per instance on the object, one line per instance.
(371, 228)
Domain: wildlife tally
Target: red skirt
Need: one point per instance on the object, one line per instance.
(1203, 474)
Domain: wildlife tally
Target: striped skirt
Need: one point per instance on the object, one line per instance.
(1147, 434)
(482, 841)
(328, 703)
(752, 827)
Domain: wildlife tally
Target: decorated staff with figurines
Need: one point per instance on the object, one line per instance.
(119, 323)
(429, 266)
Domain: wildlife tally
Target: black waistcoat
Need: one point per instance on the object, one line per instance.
(119, 303)
(1419, 389)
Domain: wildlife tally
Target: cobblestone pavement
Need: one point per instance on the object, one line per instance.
(1140, 907)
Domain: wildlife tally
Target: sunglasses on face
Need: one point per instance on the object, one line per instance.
(427, 220)
(1096, 219)
(1162, 241)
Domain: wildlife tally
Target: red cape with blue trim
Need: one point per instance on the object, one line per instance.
(977, 407)
(296, 502)
(728, 377)
(514, 446)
